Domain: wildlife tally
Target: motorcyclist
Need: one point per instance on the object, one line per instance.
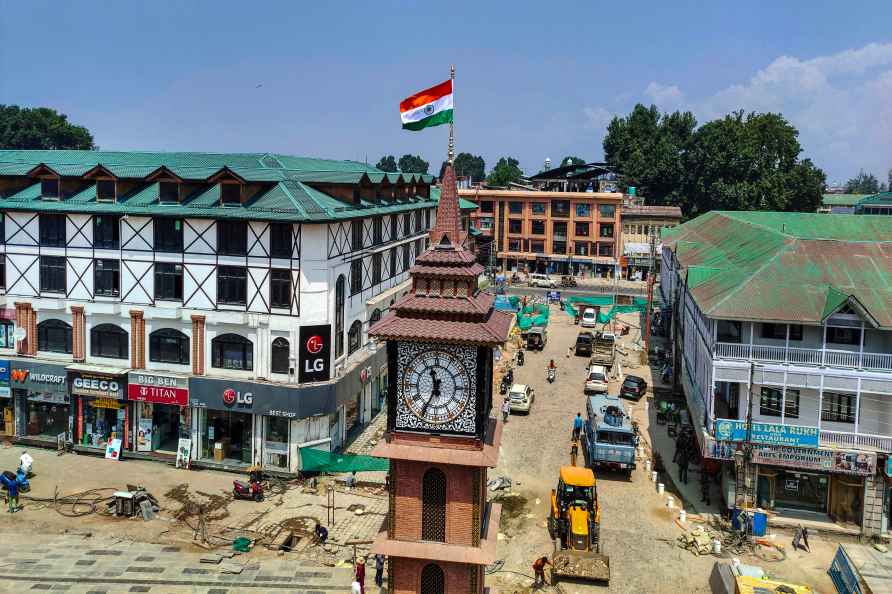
(26, 463)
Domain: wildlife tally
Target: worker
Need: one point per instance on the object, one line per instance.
(12, 491)
(320, 533)
(574, 451)
(577, 426)
(551, 364)
(539, 569)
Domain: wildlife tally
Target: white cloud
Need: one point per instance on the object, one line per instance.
(666, 97)
(597, 117)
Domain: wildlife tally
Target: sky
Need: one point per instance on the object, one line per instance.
(533, 80)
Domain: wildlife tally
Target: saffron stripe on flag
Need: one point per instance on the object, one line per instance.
(426, 96)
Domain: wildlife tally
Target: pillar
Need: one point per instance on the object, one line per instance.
(25, 318)
(198, 345)
(78, 329)
(137, 339)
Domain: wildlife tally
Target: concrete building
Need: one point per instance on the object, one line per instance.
(787, 315)
(641, 237)
(221, 301)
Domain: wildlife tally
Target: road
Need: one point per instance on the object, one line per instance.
(586, 291)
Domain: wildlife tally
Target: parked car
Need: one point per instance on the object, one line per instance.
(596, 380)
(537, 337)
(521, 398)
(584, 344)
(542, 280)
(633, 388)
(589, 318)
(568, 281)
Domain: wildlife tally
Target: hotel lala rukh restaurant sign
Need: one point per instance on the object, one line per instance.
(159, 389)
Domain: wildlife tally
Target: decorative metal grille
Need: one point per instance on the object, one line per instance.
(433, 512)
(432, 579)
(475, 579)
(477, 511)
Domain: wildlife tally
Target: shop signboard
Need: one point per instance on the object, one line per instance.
(889, 466)
(840, 461)
(43, 382)
(157, 388)
(273, 400)
(767, 433)
(314, 357)
(4, 378)
(97, 385)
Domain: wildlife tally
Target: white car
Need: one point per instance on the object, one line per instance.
(542, 280)
(589, 318)
(521, 398)
(596, 380)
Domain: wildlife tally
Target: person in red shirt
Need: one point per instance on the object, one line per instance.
(539, 569)
(360, 573)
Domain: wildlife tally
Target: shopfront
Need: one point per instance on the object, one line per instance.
(7, 424)
(102, 414)
(161, 411)
(41, 402)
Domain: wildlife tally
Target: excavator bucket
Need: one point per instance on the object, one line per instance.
(580, 565)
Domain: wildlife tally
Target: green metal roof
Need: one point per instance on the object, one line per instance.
(841, 199)
(463, 204)
(798, 267)
(881, 198)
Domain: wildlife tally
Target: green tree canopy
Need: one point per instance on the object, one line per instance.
(466, 165)
(507, 170)
(40, 128)
(413, 164)
(571, 160)
(387, 163)
(863, 183)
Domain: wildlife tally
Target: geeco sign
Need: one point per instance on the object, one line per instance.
(98, 386)
(314, 355)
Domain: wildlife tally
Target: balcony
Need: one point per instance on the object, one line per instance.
(848, 440)
(800, 356)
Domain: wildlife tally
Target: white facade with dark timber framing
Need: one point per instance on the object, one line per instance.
(209, 273)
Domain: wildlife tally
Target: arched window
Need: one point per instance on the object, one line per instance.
(231, 351)
(340, 288)
(376, 315)
(169, 346)
(54, 336)
(432, 579)
(433, 506)
(354, 337)
(108, 340)
(281, 351)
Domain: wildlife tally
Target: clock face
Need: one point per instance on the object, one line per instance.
(436, 386)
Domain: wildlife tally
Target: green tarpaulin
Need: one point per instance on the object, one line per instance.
(312, 460)
(532, 315)
(608, 309)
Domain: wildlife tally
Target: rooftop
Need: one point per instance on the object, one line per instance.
(652, 211)
(783, 267)
(842, 199)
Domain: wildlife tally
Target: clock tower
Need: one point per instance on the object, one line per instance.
(440, 532)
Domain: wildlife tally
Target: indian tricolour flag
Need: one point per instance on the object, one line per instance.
(430, 107)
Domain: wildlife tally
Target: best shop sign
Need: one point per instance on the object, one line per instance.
(158, 389)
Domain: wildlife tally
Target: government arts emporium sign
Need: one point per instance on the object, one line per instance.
(767, 433)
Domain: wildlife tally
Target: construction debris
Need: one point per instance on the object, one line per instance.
(698, 541)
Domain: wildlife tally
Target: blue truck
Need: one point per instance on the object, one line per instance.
(609, 438)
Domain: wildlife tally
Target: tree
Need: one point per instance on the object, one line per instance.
(863, 183)
(507, 170)
(40, 128)
(466, 165)
(387, 163)
(572, 161)
(413, 164)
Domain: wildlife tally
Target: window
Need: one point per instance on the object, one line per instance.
(106, 232)
(433, 581)
(405, 256)
(355, 277)
(340, 295)
(232, 285)
(427, 219)
(417, 221)
(606, 230)
(105, 190)
(606, 211)
(169, 346)
(838, 408)
(584, 209)
(770, 403)
(107, 278)
(537, 246)
(2, 228)
(392, 255)
(538, 208)
(7, 341)
(356, 235)
(168, 281)
(231, 351)
(582, 229)
(280, 288)
(376, 268)
(52, 274)
(433, 506)
(559, 230)
(795, 331)
(354, 337)
(779, 331)
(487, 206)
(375, 318)
(52, 230)
(280, 353)
(280, 240)
(728, 331)
(515, 226)
(168, 235)
(515, 207)
(394, 227)
(581, 248)
(232, 238)
(230, 194)
(559, 247)
(168, 192)
(560, 208)
(484, 223)
(514, 245)
(537, 227)
(407, 224)
(605, 250)
(49, 187)
(838, 335)
(108, 340)
(54, 336)
(378, 229)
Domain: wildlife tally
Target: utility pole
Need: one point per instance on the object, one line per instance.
(743, 486)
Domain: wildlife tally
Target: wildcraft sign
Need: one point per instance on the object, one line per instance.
(42, 381)
(96, 385)
(767, 433)
(841, 461)
(159, 389)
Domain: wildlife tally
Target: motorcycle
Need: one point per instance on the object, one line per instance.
(253, 489)
(552, 372)
(520, 358)
(503, 387)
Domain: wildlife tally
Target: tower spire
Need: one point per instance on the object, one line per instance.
(447, 229)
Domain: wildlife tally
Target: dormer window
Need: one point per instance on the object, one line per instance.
(49, 187)
(230, 194)
(356, 197)
(168, 192)
(105, 190)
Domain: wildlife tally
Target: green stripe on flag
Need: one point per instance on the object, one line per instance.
(443, 117)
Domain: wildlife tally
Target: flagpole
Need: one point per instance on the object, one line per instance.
(451, 126)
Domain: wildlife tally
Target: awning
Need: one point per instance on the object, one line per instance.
(389, 294)
(97, 369)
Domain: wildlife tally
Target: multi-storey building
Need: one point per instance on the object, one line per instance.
(785, 318)
(553, 232)
(641, 236)
(220, 300)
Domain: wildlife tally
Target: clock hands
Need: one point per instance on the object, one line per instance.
(435, 391)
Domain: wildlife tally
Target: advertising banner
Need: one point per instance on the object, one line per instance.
(845, 462)
(43, 382)
(97, 385)
(5, 391)
(144, 436)
(260, 398)
(314, 354)
(159, 389)
(767, 433)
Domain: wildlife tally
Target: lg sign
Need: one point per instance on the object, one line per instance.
(232, 397)
(315, 353)
(315, 344)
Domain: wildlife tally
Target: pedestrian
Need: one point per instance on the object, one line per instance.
(680, 442)
(379, 570)
(800, 541)
(574, 451)
(569, 351)
(577, 426)
(683, 462)
(320, 533)
(506, 410)
(539, 569)
(360, 574)
(12, 495)
(350, 481)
